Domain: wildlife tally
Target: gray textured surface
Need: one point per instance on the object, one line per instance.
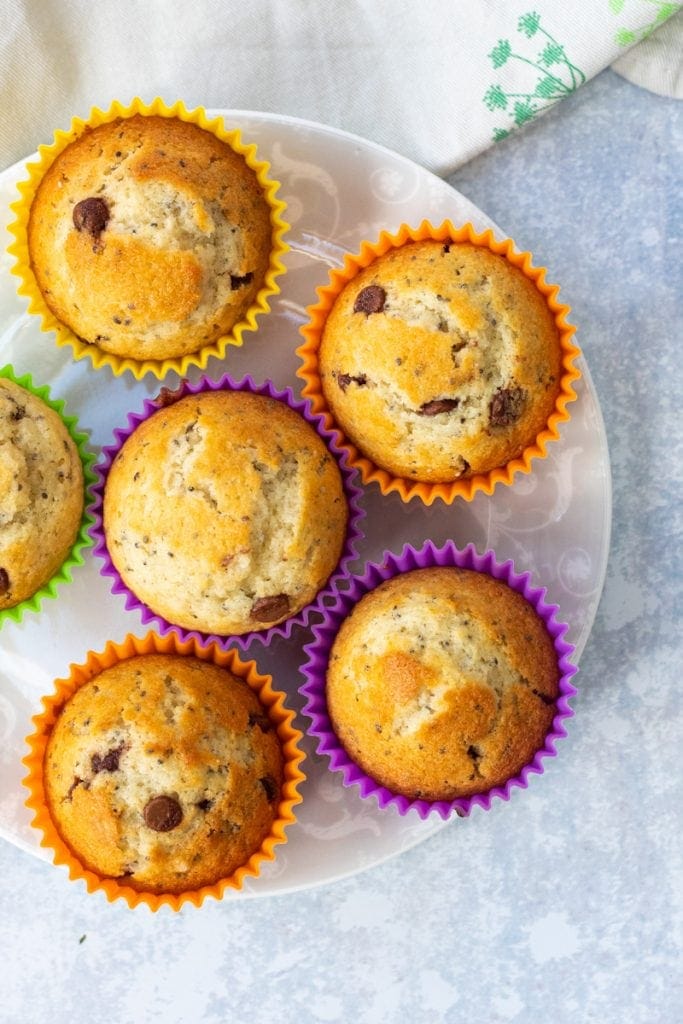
(566, 904)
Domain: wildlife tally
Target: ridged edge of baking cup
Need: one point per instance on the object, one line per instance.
(83, 540)
(312, 334)
(318, 651)
(95, 662)
(65, 337)
(352, 491)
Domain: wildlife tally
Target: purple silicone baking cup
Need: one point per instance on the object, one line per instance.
(318, 651)
(351, 490)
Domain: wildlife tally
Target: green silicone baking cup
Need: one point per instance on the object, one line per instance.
(83, 540)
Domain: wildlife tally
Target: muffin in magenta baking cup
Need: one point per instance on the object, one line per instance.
(45, 470)
(148, 238)
(225, 509)
(379, 680)
(162, 771)
(442, 359)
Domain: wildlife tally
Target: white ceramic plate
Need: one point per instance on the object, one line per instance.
(339, 190)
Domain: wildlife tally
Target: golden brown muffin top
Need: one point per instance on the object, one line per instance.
(440, 360)
(441, 683)
(165, 772)
(41, 493)
(149, 237)
(225, 512)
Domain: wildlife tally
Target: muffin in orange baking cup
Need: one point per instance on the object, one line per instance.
(148, 237)
(163, 771)
(442, 358)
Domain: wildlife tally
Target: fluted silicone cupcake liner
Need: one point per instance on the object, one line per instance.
(274, 703)
(64, 335)
(351, 490)
(83, 540)
(312, 333)
(324, 632)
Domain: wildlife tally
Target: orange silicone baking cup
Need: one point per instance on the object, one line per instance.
(313, 330)
(95, 663)
(64, 335)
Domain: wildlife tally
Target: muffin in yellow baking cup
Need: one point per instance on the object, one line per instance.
(442, 359)
(159, 761)
(148, 238)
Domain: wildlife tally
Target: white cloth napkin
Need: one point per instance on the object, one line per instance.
(656, 63)
(436, 80)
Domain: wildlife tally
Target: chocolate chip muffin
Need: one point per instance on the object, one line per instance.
(440, 361)
(442, 683)
(163, 771)
(225, 512)
(41, 493)
(149, 237)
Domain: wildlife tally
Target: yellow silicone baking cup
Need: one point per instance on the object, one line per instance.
(95, 663)
(64, 335)
(312, 389)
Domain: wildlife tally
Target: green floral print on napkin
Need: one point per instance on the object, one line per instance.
(627, 36)
(553, 75)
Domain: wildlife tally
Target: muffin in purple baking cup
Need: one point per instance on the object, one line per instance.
(438, 680)
(224, 510)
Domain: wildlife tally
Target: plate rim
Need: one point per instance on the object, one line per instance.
(11, 175)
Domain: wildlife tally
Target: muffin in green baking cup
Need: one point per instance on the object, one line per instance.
(45, 472)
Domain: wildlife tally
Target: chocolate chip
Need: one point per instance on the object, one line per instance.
(167, 396)
(162, 813)
(4, 582)
(263, 722)
(268, 609)
(438, 405)
(344, 379)
(370, 300)
(506, 406)
(204, 805)
(238, 282)
(270, 786)
(108, 763)
(91, 215)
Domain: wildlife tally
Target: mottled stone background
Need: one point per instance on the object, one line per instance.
(564, 905)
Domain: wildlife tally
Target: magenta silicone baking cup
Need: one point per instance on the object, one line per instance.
(324, 632)
(351, 490)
